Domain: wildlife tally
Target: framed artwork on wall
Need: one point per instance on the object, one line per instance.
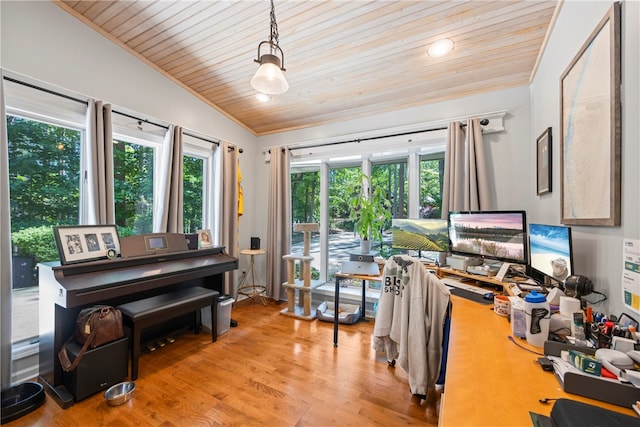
(543, 162)
(86, 242)
(590, 140)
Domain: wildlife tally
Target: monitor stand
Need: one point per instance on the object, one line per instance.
(460, 262)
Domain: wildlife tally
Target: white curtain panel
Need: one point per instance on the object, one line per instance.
(477, 184)
(97, 162)
(279, 221)
(170, 191)
(229, 212)
(5, 249)
(465, 173)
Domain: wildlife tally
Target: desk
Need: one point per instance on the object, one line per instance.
(252, 289)
(339, 277)
(490, 381)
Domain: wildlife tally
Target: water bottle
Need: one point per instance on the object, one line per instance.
(537, 316)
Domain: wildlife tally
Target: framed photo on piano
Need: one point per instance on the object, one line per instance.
(204, 238)
(84, 243)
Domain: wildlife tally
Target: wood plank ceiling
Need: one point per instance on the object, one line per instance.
(344, 59)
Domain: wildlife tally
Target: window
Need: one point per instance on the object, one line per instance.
(193, 187)
(198, 183)
(431, 184)
(342, 239)
(408, 174)
(133, 170)
(392, 177)
(305, 209)
(44, 176)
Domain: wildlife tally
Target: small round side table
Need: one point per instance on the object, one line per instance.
(252, 289)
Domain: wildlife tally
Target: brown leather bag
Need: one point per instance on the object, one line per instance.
(95, 326)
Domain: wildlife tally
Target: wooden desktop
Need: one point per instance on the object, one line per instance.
(490, 380)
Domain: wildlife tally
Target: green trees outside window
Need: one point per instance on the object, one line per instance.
(44, 179)
(193, 186)
(133, 187)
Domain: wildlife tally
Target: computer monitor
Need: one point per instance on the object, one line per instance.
(428, 234)
(551, 251)
(498, 235)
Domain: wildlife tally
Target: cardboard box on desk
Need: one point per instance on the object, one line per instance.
(585, 362)
(599, 388)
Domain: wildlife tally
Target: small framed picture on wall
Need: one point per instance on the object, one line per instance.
(543, 162)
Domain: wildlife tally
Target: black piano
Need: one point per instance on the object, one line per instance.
(66, 289)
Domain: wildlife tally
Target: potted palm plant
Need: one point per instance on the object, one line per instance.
(370, 208)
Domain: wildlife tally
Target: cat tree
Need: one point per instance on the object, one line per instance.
(300, 288)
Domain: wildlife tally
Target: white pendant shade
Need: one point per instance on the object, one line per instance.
(269, 78)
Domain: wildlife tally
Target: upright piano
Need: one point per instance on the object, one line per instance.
(66, 289)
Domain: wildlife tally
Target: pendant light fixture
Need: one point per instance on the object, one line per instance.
(269, 78)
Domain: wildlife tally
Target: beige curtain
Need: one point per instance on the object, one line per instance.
(229, 221)
(465, 179)
(169, 206)
(279, 221)
(97, 206)
(5, 250)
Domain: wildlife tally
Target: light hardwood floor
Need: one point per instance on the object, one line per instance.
(270, 370)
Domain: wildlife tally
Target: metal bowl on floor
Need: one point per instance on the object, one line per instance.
(119, 393)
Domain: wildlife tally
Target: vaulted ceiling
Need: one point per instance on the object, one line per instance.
(345, 59)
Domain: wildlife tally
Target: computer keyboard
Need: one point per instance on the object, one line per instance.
(457, 284)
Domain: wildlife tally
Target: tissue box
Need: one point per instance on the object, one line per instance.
(585, 362)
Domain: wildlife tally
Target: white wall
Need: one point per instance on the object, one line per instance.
(597, 250)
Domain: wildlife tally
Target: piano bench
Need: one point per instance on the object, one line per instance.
(141, 314)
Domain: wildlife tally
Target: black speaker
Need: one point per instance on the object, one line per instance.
(192, 240)
(255, 243)
(578, 286)
(99, 368)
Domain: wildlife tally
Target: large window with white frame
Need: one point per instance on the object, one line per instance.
(198, 183)
(45, 135)
(407, 175)
(133, 177)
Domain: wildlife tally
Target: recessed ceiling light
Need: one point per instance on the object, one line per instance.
(440, 48)
(263, 97)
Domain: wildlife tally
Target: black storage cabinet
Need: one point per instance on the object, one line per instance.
(99, 368)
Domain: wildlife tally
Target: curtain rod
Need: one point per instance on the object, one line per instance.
(201, 138)
(85, 102)
(483, 122)
(140, 121)
(49, 91)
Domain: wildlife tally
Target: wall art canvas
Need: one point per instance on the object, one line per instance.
(591, 130)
